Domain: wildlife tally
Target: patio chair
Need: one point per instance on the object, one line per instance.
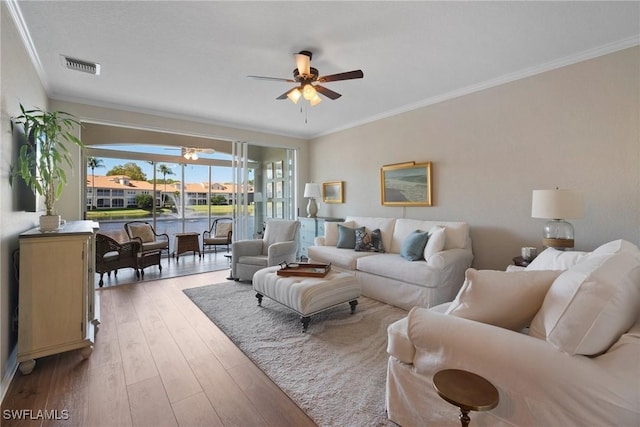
(146, 235)
(219, 234)
(112, 255)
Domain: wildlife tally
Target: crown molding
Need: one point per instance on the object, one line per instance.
(21, 25)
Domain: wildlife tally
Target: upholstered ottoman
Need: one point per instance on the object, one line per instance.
(307, 295)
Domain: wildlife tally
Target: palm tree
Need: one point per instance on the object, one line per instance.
(94, 163)
(165, 170)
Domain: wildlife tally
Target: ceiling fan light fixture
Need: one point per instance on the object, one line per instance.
(309, 92)
(315, 100)
(294, 95)
(303, 63)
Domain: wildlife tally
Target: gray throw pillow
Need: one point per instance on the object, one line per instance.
(413, 246)
(346, 237)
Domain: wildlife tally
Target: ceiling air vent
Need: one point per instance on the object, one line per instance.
(80, 65)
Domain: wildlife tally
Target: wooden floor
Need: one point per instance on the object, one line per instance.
(158, 361)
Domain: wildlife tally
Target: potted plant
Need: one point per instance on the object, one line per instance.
(42, 159)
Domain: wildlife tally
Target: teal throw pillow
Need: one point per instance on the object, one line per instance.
(413, 246)
(346, 237)
(369, 242)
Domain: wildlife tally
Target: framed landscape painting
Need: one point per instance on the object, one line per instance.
(332, 192)
(406, 184)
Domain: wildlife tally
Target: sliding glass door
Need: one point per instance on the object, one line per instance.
(264, 187)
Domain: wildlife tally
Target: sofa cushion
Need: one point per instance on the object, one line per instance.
(385, 225)
(553, 259)
(413, 246)
(343, 258)
(509, 300)
(395, 267)
(331, 231)
(436, 242)
(590, 305)
(457, 233)
(346, 237)
(368, 241)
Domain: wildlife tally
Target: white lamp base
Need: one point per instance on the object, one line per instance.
(312, 208)
(558, 234)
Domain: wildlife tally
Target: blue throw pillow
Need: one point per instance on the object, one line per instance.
(346, 237)
(369, 242)
(413, 246)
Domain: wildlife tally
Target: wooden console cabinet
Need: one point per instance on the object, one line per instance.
(58, 305)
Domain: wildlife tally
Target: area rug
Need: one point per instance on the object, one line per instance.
(335, 372)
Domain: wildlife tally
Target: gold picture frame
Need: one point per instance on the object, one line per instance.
(406, 184)
(333, 192)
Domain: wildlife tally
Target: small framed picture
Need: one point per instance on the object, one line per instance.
(406, 184)
(333, 192)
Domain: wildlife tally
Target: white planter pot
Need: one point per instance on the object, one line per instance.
(49, 223)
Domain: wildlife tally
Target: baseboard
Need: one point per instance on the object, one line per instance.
(12, 367)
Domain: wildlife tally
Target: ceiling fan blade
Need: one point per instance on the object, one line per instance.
(303, 63)
(327, 92)
(349, 75)
(277, 79)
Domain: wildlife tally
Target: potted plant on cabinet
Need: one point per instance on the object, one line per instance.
(42, 158)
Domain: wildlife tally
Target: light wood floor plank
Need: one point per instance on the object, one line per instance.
(180, 328)
(146, 311)
(176, 374)
(137, 361)
(150, 405)
(230, 403)
(196, 410)
(278, 409)
(122, 305)
(108, 399)
(69, 390)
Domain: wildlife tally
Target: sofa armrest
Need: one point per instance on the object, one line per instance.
(451, 256)
(528, 369)
(319, 241)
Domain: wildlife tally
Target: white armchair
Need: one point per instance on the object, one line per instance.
(280, 243)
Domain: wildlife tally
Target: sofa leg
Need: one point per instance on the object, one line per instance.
(259, 296)
(353, 305)
(305, 323)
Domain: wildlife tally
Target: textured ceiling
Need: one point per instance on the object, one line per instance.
(191, 59)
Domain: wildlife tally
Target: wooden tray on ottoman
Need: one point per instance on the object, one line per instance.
(307, 269)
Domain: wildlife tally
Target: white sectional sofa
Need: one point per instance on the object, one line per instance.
(577, 365)
(388, 277)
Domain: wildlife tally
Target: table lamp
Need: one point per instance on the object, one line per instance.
(312, 191)
(557, 206)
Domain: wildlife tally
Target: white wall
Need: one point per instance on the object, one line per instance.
(20, 84)
(576, 127)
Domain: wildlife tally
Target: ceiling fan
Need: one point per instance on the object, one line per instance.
(191, 153)
(308, 79)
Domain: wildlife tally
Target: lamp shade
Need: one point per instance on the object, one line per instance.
(312, 190)
(557, 204)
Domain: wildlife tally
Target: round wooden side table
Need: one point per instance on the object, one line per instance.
(466, 390)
